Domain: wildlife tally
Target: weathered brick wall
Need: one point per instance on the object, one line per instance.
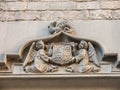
(36, 10)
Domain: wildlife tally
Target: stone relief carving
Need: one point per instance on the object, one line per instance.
(60, 53)
(76, 57)
(56, 27)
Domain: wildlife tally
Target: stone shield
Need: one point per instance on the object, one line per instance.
(62, 54)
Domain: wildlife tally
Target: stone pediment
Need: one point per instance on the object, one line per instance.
(61, 53)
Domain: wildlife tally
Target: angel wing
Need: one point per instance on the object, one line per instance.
(30, 56)
(92, 54)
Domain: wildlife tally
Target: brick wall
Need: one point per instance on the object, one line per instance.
(36, 10)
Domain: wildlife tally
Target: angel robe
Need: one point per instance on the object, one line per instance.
(40, 62)
(85, 65)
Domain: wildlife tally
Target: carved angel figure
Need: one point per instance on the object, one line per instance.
(62, 54)
(41, 60)
(56, 27)
(86, 59)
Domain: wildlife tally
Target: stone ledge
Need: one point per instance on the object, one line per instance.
(83, 83)
(62, 76)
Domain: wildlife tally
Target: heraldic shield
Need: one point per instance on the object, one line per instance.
(62, 54)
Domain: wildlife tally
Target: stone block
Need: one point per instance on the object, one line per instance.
(64, 15)
(77, 15)
(116, 14)
(1, 16)
(32, 15)
(14, 5)
(101, 14)
(88, 5)
(19, 16)
(8, 16)
(52, 15)
(62, 5)
(110, 4)
(38, 5)
(27, 15)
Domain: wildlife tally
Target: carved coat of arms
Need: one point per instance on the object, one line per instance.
(62, 54)
(59, 53)
(74, 56)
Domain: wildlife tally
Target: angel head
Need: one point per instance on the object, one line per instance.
(83, 44)
(39, 45)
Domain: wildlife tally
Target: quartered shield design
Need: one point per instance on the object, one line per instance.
(62, 54)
